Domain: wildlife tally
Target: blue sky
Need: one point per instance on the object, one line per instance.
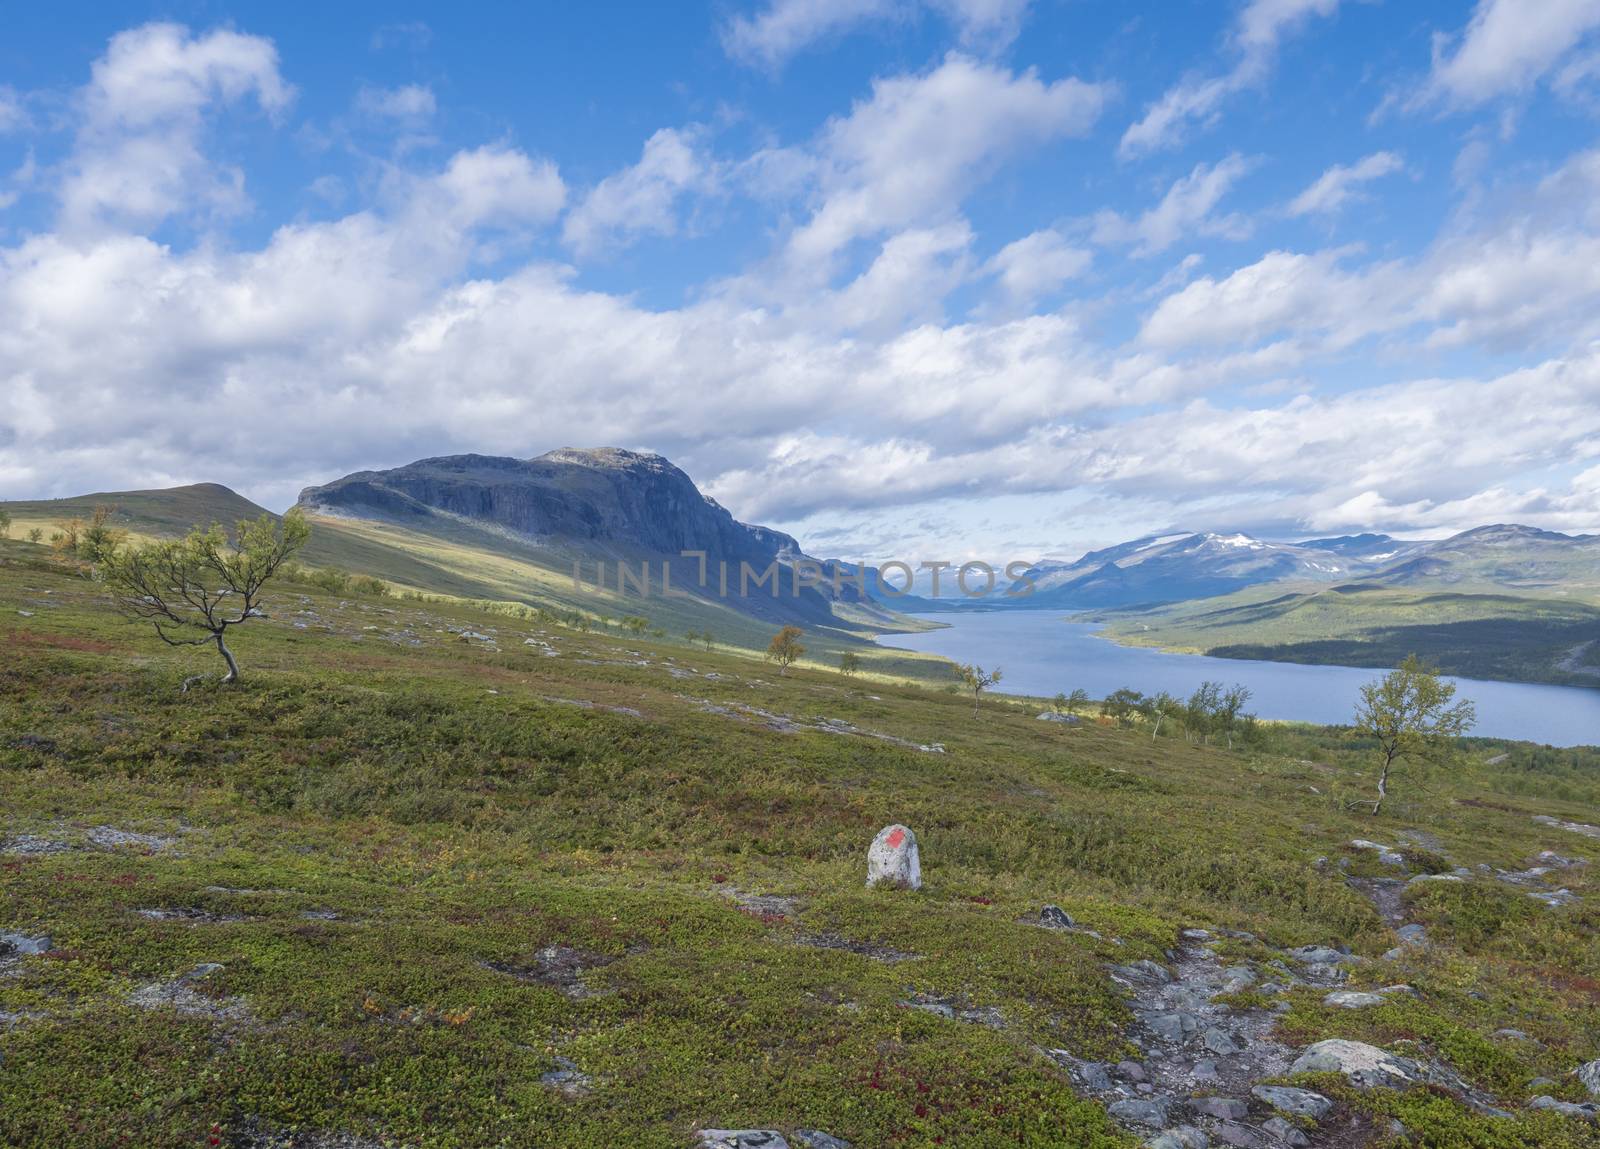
(942, 277)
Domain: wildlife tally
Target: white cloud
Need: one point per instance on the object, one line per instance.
(1186, 209)
(410, 104)
(13, 117)
(919, 144)
(642, 199)
(138, 159)
(501, 186)
(1036, 265)
(1340, 184)
(1506, 48)
(771, 36)
(1258, 33)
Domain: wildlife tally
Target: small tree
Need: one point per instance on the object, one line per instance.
(1122, 705)
(785, 648)
(92, 541)
(1077, 700)
(1229, 706)
(1059, 703)
(637, 624)
(849, 663)
(1199, 713)
(35, 534)
(977, 680)
(5, 523)
(1162, 706)
(203, 582)
(1410, 713)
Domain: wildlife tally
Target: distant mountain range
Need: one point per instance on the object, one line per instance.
(1188, 565)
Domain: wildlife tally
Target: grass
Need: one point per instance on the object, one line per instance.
(1495, 636)
(381, 829)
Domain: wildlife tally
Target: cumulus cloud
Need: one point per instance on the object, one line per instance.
(1341, 184)
(411, 105)
(1506, 48)
(13, 117)
(1187, 209)
(911, 151)
(642, 199)
(1036, 265)
(769, 37)
(138, 155)
(499, 185)
(1257, 35)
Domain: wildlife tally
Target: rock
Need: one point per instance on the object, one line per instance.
(1589, 1077)
(1052, 716)
(1574, 827)
(1386, 855)
(1314, 955)
(1510, 1034)
(1183, 1137)
(1285, 1132)
(1365, 1065)
(1583, 1110)
(742, 1139)
(1204, 1070)
(1555, 898)
(1417, 878)
(1176, 1028)
(1325, 972)
(817, 1139)
(1055, 918)
(567, 1078)
(11, 943)
(1222, 1108)
(1220, 1041)
(1142, 972)
(1296, 1102)
(1150, 1112)
(1094, 1076)
(1237, 978)
(1352, 999)
(1131, 1071)
(893, 859)
(1241, 1136)
(1415, 934)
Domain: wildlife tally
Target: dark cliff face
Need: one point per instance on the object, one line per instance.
(602, 496)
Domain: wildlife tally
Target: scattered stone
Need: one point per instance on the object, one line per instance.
(33, 846)
(189, 914)
(1183, 1137)
(1417, 878)
(893, 860)
(1052, 716)
(1221, 1042)
(1555, 898)
(1142, 972)
(1353, 999)
(1572, 827)
(1055, 918)
(986, 1015)
(1317, 955)
(1583, 1110)
(1296, 1102)
(187, 995)
(109, 837)
(1175, 1028)
(559, 967)
(1364, 1065)
(742, 1139)
(833, 941)
(1204, 1070)
(1241, 1136)
(1131, 1071)
(1386, 855)
(1150, 1112)
(1285, 1132)
(1222, 1108)
(567, 1078)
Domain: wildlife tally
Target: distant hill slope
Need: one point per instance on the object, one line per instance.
(167, 512)
(1504, 555)
(1516, 638)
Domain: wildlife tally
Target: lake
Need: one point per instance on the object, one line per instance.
(1043, 654)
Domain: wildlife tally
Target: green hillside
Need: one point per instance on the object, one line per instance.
(450, 557)
(1496, 636)
(405, 887)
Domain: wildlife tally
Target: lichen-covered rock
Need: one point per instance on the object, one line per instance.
(1183, 1137)
(1222, 1108)
(1365, 1065)
(893, 859)
(1583, 1111)
(1353, 999)
(817, 1139)
(1285, 1132)
(1150, 1112)
(1055, 918)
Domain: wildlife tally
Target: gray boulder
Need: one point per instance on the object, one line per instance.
(1142, 972)
(1364, 1065)
(1150, 1112)
(1285, 1132)
(1055, 918)
(1589, 1077)
(1353, 999)
(1183, 1137)
(1585, 1111)
(1222, 1108)
(1053, 716)
(817, 1139)
(893, 859)
(1296, 1102)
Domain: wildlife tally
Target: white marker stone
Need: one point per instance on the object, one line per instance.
(893, 859)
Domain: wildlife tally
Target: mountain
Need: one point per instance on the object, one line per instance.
(602, 498)
(1502, 556)
(167, 512)
(1189, 565)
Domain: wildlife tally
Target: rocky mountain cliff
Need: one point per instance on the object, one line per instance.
(599, 498)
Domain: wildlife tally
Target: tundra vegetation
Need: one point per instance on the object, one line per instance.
(561, 886)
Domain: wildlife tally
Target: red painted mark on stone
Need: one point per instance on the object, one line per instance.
(895, 838)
